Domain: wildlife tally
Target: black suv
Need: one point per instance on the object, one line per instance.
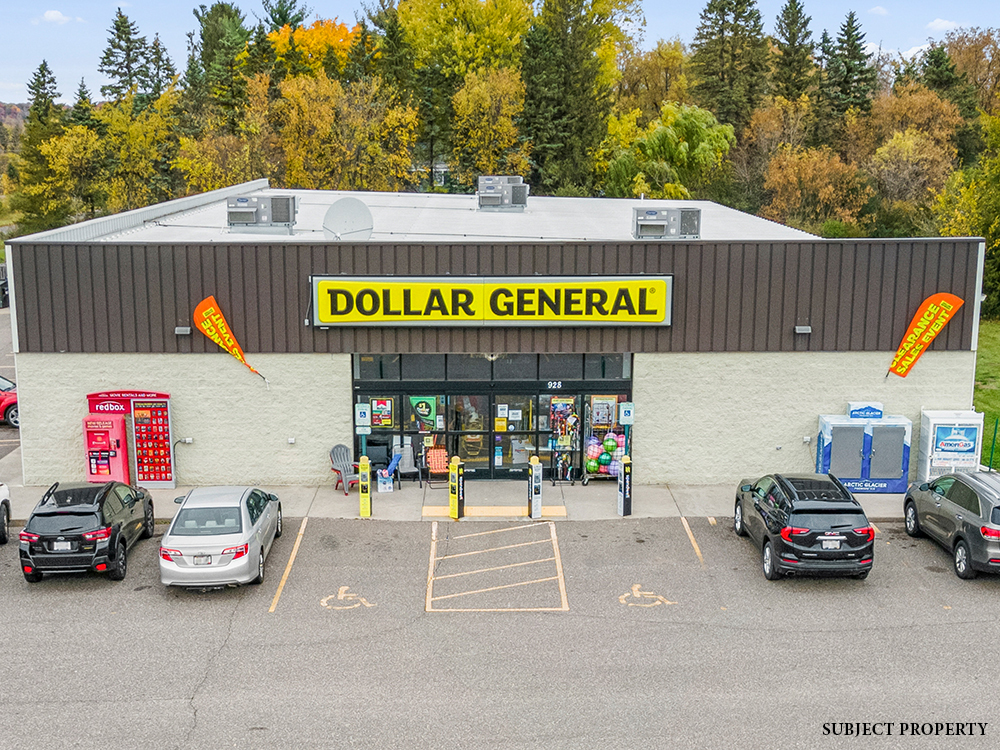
(82, 527)
(805, 523)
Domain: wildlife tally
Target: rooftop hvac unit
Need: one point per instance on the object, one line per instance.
(666, 223)
(502, 193)
(253, 213)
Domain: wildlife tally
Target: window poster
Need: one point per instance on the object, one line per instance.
(425, 412)
(602, 410)
(381, 411)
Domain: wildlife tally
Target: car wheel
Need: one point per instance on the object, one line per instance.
(33, 577)
(4, 523)
(12, 416)
(148, 522)
(767, 563)
(963, 563)
(910, 519)
(260, 568)
(120, 568)
(738, 526)
(278, 528)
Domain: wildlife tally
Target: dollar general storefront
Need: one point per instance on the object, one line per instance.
(498, 335)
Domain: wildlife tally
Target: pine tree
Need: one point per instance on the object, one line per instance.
(224, 76)
(125, 60)
(939, 74)
(730, 60)
(850, 76)
(281, 13)
(161, 69)
(793, 66)
(83, 108)
(567, 102)
(39, 207)
(361, 55)
(394, 61)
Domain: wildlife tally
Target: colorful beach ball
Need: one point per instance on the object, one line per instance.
(593, 451)
(617, 454)
(593, 440)
(610, 443)
(604, 468)
(593, 466)
(604, 459)
(615, 468)
(621, 441)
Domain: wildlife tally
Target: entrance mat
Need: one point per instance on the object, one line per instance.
(442, 511)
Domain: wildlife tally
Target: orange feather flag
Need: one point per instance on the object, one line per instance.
(212, 323)
(932, 316)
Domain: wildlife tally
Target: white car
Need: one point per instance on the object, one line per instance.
(220, 537)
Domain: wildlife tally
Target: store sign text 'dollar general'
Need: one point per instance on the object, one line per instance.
(558, 301)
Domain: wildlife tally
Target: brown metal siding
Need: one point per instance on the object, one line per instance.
(856, 295)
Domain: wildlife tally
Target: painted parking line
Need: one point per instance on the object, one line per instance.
(477, 579)
(876, 528)
(487, 511)
(694, 543)
(288, 568)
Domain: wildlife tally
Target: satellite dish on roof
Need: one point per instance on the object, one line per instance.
(349, 219)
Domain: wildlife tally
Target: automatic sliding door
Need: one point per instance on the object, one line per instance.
(468, 426)
(515, 437)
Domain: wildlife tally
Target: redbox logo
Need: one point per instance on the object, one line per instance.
(109, 406)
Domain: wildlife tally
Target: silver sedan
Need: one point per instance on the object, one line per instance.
(220, 537)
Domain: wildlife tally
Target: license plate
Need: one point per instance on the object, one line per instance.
(202, 559)
(831, 544)
(62, 546)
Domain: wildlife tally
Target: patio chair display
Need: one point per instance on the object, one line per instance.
(342, 463)
(407, 466)
(436, 464)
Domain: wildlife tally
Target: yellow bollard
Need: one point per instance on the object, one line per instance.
(456, 488)
(365, 486)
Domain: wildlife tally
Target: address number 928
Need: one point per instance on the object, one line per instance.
(555, 385)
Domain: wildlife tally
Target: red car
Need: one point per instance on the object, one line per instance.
(8, 403)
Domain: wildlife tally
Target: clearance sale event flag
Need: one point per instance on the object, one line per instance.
(932, 315)
(212, 323)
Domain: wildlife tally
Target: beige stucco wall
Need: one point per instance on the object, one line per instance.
(718, 417)
(240, 425)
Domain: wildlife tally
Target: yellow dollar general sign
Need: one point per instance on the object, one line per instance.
(523, 301)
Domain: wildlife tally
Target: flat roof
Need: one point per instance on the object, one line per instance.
(410, 217)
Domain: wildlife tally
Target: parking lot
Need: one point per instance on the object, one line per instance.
(622, 633)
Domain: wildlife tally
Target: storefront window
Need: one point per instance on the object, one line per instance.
(560, 367)
(603, 366)
(423, 367)
(516, 367)
(425, 413)
(469, 367)
(377, 367)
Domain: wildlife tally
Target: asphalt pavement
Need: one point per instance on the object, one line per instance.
(656, 632)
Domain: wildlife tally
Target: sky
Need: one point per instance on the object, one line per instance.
(72, 34)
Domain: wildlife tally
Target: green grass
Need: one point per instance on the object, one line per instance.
(986, 397)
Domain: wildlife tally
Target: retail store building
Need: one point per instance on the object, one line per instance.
(486, 331)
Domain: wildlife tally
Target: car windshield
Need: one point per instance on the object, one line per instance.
(207, 522)
(834, 520)
(63, 523)
(6, 385)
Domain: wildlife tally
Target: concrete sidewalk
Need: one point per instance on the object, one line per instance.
(483, 499)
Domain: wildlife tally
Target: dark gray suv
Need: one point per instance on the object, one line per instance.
(962, 513)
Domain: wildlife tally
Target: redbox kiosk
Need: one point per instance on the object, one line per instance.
(107, 448)
(152, 445)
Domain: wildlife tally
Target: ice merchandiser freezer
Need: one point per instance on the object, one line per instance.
(869, 453)
(949, 441)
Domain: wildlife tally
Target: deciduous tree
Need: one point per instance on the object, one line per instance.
(648, 79)
(487, 109)
(810, 187)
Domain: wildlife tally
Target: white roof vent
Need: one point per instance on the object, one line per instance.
(262, 214)
(502, 193)
(666, 223)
